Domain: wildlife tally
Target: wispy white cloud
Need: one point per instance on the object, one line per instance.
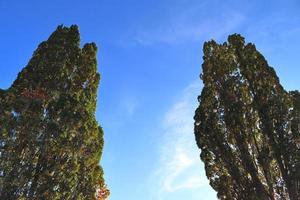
(275, 29)
(180, 169)
(129, 104)
(190, 25)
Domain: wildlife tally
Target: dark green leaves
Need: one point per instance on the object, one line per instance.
(247, 125)
(50, 142)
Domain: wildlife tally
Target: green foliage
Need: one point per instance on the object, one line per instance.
(50, 142)
(247, 125)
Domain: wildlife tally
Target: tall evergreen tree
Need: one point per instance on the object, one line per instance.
(50, 141)
(247, 126)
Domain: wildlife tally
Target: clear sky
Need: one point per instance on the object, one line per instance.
(150, 59)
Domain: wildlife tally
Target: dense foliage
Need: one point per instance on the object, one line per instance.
(50, 142)
(247, 125)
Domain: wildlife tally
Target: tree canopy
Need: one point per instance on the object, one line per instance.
(50, 141)
(247, 126)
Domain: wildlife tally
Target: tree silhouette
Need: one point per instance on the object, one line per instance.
(247, 125)
(50, 142)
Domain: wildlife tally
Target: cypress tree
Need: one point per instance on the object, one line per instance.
(247, 126)
(50, 141)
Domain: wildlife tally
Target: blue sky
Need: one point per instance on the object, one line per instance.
(150, 55)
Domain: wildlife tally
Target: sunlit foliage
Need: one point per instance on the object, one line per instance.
(50, 141)
(247, 125)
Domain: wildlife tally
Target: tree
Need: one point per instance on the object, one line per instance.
(102, 193)
(247, 126)
(50, 141)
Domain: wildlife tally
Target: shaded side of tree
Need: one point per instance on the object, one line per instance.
(50, 141)
(247, 126)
